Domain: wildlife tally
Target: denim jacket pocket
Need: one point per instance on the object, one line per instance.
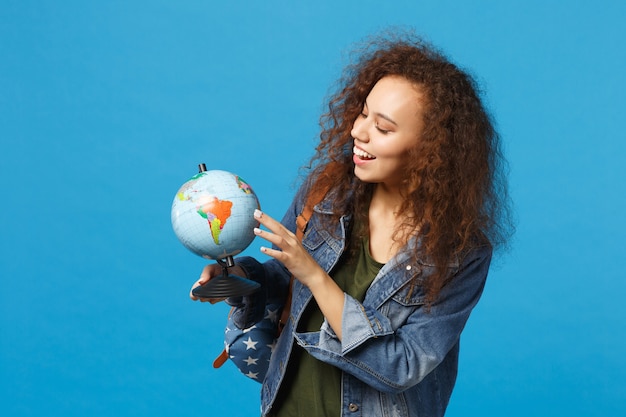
(411, 295)
(312, 239)
(322, 245)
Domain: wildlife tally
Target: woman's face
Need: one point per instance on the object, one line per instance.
(389, 125)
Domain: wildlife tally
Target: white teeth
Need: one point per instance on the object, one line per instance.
(362, 154)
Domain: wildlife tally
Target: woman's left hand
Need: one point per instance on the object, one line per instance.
(328, 295)
(291, 253)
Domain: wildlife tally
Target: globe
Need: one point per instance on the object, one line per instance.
(213, 216)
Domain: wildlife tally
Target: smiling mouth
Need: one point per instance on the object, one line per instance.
(362, 154)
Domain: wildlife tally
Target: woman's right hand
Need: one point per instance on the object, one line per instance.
(209, 272)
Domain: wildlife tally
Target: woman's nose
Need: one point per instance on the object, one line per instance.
(358, 131)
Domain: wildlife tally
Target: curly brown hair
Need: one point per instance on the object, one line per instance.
(456, 195)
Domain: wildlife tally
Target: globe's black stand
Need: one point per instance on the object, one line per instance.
(226, 285)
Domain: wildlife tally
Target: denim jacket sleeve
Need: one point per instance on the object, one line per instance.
(391, 356)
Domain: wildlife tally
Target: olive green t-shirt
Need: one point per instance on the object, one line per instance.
(312, 387)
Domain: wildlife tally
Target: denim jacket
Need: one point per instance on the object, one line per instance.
(397, 358)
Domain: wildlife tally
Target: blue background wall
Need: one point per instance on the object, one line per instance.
(106, 107)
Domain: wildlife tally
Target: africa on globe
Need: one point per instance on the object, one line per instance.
(213, 214)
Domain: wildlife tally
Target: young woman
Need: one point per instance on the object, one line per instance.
(395, 255)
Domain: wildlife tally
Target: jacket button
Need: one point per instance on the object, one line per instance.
(353, 407)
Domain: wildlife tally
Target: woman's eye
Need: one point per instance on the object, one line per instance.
(381, 130)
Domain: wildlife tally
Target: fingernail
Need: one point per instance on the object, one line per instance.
(258, 214)
(257, 231)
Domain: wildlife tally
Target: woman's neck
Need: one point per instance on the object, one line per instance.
(386, 200)
(385, 224)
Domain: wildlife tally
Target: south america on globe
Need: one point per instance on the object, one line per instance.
(213, 216)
